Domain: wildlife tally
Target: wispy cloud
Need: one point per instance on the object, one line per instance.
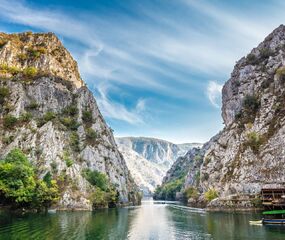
(214, 92)
(118, 111)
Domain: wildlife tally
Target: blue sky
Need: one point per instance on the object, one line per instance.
(156, 67)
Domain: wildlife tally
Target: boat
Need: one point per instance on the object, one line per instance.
(258, 222)
(51, 210)
(274, 217)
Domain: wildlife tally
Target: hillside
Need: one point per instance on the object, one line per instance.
(48, 112)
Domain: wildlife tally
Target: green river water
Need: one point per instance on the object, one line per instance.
(149, 221)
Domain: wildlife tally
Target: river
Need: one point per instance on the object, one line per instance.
(150, 221)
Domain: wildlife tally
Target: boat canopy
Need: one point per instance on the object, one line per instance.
(274, 212)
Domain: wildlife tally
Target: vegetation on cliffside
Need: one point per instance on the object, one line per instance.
(20, 185)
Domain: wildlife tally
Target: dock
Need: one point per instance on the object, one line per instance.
(273, 198)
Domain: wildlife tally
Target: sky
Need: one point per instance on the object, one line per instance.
(156, 67)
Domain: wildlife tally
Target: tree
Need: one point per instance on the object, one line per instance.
(17, 181)
(97, 179)
(19, 185)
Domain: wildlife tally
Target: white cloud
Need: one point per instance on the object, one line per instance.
(214, 92)
(118, 111)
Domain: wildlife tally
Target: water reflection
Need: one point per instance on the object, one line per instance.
(149, 221)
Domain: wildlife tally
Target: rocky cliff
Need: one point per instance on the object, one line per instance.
(249, 153)
(47, 111)
(149, 159)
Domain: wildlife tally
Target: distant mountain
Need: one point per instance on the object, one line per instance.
(148, 159)
(147, 175)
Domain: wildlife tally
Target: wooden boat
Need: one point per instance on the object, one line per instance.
(274, 217)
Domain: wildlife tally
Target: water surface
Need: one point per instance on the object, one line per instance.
(149, 221)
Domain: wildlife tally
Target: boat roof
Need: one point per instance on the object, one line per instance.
(274, 212)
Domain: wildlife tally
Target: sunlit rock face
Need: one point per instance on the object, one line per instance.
(65, 132)
(149, 159)
(249, 153)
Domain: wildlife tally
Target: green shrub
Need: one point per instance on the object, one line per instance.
(14, 70)
(53, 166)
(48, 116)
(19, 186)
(9, 121)
(251, 103)
(30, 72)
(71, 110)
(103, 199)
(25, 117)
(4, 68)
(8, 140)
(265, 53)
(254, 140)
(70, 123)
(48, 179)
(91, 136)
(211, 194)
(97, 179)
(87, 117)
(198, 159)
(251, 59)
(280, 72)
(74, 142)
(42, 50)
(45, 195)
(191, 192)
(33, 105)
(197, 177)
(22, 57)
(250, 106)
(17, 177)
(67, 159)
(36, 52)
(4, 92)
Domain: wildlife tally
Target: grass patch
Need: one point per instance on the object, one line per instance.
(9, 121)
(4, 92)
(211, 194)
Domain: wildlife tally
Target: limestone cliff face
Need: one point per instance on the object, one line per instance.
(249, 153)
(59, 125)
